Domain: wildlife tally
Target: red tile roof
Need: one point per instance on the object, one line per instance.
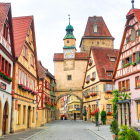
(78, 56)
(20, 29)
(103, 62)
(3, 11)
(102, 30)
(134, 11)
(42, 71)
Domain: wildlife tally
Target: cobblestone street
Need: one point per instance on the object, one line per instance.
(70, 130)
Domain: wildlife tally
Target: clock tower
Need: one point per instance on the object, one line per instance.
(69, 43)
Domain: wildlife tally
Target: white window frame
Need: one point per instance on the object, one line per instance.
(29, 81)
(112, 59)
(25, 82)
(108, 87)
(19, 76)
(109, 106)
(22, 77)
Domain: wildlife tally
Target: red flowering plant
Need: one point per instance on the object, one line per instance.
(25, 88)
(108, 113)
(87, 81)
(92, 79)
(5, 76)
(90, 63)
(20, 85)
(108, 91)
(92, 113)
(93, 94)
(33, 92)
(48, 105)
(29, 90)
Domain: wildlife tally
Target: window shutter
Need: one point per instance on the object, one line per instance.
(130, 59)
(104, 87)
(133, 35)
(137, 57)
(139, 32)
(122, 63)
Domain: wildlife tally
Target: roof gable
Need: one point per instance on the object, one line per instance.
(20, 29)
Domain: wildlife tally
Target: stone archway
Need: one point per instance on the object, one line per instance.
(5, 118)
(0, 117)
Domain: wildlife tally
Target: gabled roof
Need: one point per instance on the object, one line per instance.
(134, 11)
(102, 30)
(102, 61)
(78, 56)
(4, 7)
(20, 29)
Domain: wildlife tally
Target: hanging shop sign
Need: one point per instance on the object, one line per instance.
(3, 86)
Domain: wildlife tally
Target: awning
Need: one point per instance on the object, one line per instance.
(136, 98)
(125, 101)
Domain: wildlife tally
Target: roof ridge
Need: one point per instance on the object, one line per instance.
(22, 17)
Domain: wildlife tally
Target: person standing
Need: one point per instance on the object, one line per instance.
(71, 115)
(74, 116)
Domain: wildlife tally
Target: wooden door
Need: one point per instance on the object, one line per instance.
(4, 119)
(28, 118)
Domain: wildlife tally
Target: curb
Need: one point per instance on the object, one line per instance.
(36, 133)
(98, 135)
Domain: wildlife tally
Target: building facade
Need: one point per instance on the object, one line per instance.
(46, 93)
(98, 82)
(25, 75)
(69, 67)
(96, 34)
(127, 70)
(7, 55)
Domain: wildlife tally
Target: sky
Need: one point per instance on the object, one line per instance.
(51, 19)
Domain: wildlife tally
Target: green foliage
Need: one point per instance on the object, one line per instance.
(126, 65)
(118, 95)
(114, 129)
(96, 116)
(128, 134)
(103, 116)
(85, 112)
(134, 63)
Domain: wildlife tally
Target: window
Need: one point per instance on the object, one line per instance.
(19, 76)
(71, 98)
(127, 60)
(76, 106)
(24, 115)
(29, 82)
(18, 115)
(123, 84)
(25, 79)
(112, 59)
(138, 32)
(9, 70)
(95, 28)
(94, 75)
(69, 77)
(137, 79)
(127, 39)
(108, 87)
(127, 84)
(53, 89)
(33, 115)
(67, 41)
(25, 52)
(2, 68)
(32, 60)
(6, 66)
(5, 32)
(133, 35)
(32, 84)
(88, 78)
(109, 73)
(108, 108)
(22, 78)
(119, 86)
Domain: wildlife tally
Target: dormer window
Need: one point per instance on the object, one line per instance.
(112, 59)
(109, 73)
(95, 28)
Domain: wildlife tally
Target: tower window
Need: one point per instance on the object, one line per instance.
(69, 77)
(67, 41)
(95, 28)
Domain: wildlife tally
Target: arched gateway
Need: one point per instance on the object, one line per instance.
(70, 67)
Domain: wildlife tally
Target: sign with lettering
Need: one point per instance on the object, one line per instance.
(3, 86)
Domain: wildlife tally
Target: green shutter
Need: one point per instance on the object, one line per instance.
(127, 39)
(133, 35)
(137, 57)
(104, 87)
(123, 63)
(130, 59)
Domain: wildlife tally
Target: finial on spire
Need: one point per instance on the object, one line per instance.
(132, 4)
(69, 19)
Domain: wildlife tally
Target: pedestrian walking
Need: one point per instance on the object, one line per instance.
(71, 115)
(74, 116)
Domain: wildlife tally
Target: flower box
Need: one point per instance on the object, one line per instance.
(87, 81)
(92, 79)
(92, 113)
(5, 76)
(109, 92)
(20, 85)
(33, 92)
(87, 96)
(108, 113)
(93, 94)
(90, 63)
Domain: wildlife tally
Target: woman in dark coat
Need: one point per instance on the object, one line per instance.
(74, 116)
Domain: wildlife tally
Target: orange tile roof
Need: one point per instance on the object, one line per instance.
(78, 56)
(102, 30)
(134, 11)
(42, 71)
(3, 11)
(20, 29)
(103, 62)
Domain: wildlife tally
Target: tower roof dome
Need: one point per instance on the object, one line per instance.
(69, 27)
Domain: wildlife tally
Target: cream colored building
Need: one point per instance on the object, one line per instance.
(70, 68)
(96, 34)
(98, 82)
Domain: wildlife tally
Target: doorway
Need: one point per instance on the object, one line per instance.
(28, 117)
(5, 118)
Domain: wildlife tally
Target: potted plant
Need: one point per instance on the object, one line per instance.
(20, 85)
(114, 129)
(96, 117)
(93, 94)
(108, 113)
(109, 91)
(103, 116)
(92, 79)
(85, 114)
(87, 81)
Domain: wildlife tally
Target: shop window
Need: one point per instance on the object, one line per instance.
(119, 85)
(127, 84)
(137, 80)
(24, 114)
(108, 108)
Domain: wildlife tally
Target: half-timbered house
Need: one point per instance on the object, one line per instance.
(6, 66)
(127, 70)
(25, 75)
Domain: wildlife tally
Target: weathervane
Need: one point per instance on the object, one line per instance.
(69, 19)
(132, 4)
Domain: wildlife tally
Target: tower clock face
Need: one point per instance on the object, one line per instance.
(69, 53)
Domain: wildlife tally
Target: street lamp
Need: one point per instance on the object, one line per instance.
(70, 90)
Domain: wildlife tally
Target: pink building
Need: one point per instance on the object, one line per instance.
(127, 70)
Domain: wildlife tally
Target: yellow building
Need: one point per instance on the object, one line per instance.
(25, 74)
(46, 90)
(73, 106)
(69, 69)
(96, 34)
(98, 82)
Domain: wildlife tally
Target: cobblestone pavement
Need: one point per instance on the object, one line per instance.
(67, 130)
